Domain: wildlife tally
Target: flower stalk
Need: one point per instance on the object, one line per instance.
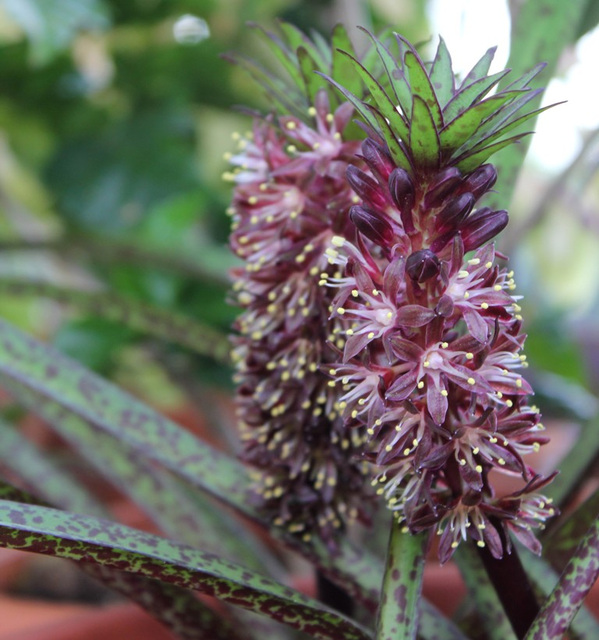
(398, 614)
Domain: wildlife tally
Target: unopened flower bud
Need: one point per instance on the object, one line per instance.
(366, 187)
(455, 212)
(378, 159)
(480, 180)
(371, 224)
(445, 183)
(402, 192)
(422, 265)
(483, 225)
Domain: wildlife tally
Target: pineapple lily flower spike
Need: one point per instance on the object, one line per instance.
(380, 343)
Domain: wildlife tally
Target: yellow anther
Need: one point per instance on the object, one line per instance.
(389, 447)
(500, 461)
(484, 305)
(444, 345)
(337, 241)
(444, 393)
(471, 381)
(311, 111)
(455, 544)
(519, 382)
(478, 468)
(497, 287)
(420, 385)
(355, 293)
(375, 292)
(469, 356)
(340, 310)
(291, 148)
(463, 274)
(489, 264)
(466, 295)
(406, 452)
(371, 335)
(316, 146)
(480, 544)
(474, 261)
(426, 364)
(291, 125)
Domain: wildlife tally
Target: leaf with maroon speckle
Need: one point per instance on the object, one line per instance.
(87, 539)
(544, 578)
(574, 584)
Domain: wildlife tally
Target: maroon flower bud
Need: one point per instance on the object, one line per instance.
(366, 187)
(371, 224)
(483, 225)
(422, 265)
(378, 159)
(480, 180)
(402, 192)
(455, 212)
(445, 183)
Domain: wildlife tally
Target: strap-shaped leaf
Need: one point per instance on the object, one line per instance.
(360, 106)
(42, 476)
(180, 515)
(177, 608)
(421, 86)
(580, 574)
(162, 323)
(543, 579)
(341, 68)
(87, 539)
(424, 140)
(470, 94)
(441, 75)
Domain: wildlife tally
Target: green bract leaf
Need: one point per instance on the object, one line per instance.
(424, 140)
(87, 539)
(469, 161)
(480, 69)
(382, 101)
(313, 81)
(421, 87)
(470, 94)
(441, 76)
(342, 47)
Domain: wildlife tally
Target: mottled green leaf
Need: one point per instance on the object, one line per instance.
(421, 87)
(480, 69)
(41, 475)
(441, 76)
(580, 574)
(89, 539)
(424, 140)
(543, 579)
(177, 608)
(399, 611)
(483, 595)
(179, 513)
(163, 323)
(360, 106)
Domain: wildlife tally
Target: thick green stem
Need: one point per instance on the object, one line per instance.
(402, 586)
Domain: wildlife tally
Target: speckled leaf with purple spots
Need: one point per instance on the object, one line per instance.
(87, 539)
